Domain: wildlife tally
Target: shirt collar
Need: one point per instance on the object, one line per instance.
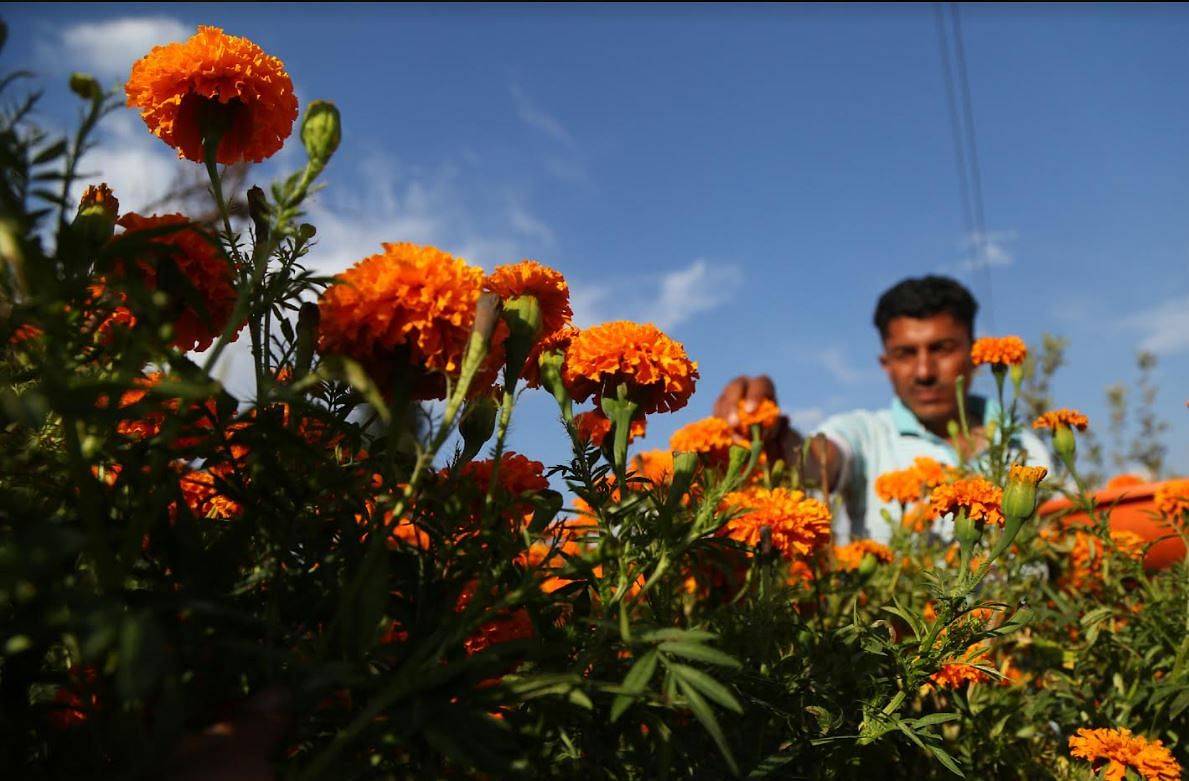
(907, 423)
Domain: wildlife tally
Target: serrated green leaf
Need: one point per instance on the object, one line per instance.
(705, 684)
(933, 718)
(700, 653)
(672, 633)
(703, 712)
(946, 760)
(636, 681)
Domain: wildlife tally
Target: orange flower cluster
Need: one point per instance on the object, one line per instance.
(411, 304)
(903, 486)
(931, 472)
(765, 415)
(659, 375)
(1113, 752)
(1054, 419)
(530, 278)
(847, 558)
(202, 496)
(594, 426)
(148, 426)
(505, 628)
(518, 476)
(1172, 500)
(979, 498)
(1085, 558)
(959, 674)
(999, 351)
(217, 79)
(711, 437)
(1032, 475)
(204, 269)
(799, 525)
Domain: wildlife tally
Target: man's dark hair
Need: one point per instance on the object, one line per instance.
(924, 297)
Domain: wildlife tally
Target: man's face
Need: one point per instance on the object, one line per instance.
(924, 357)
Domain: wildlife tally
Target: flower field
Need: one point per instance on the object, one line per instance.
(350, 575)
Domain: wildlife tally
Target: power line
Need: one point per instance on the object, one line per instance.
(966, 150)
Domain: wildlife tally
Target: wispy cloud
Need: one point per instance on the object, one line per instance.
(134, 163)
(108, 48)
(807, 418)
(534, 116)
(838, 365)
(990, 250)
(1163, 328)
(669, 300)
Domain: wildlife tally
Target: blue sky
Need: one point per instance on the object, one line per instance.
(750, 178)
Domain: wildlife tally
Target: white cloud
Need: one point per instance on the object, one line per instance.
(135, 164)
(107, 49)
(536, 117)
(989, 250)
(806, 419)
(1164, 328)
(668, 300)
(837, 363)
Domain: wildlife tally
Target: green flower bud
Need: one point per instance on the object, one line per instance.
(523, 316)
(308, 319)
(953, 429)
(96, 217)
(550, 365)
(477, 425)
(867, 566)
(321, 131)
(737, 458)
(85, 86)
(1020, 494)
(1064, 443)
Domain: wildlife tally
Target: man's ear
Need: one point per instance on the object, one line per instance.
(883, 360)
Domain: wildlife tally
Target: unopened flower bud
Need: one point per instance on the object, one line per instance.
(1017, 376)
(550, 365)
(487, 315)
(953, 429)
(477, 425)
(1064, 442)
(258, 211)
(309, 318)
(523, 316)
(97, 213)
(737, 458)
(867, 566)
(684, 466)
(85, 86)
(1020, 493)
(321, 131)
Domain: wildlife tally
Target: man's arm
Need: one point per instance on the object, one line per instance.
(824, 459)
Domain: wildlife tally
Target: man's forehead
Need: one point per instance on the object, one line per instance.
(924, 330)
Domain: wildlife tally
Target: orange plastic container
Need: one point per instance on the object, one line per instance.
(1132, 508)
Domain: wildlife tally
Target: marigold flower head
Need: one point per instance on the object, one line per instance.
(980, 499)
(848, 557)
(219, 79)
(957, 675)
(903, 486)
(659, 375)
(97, 213)
(1113, 751)
(518, 474)
(655, 465)
(918, 517)
(200, 417)
(1084, 573)
(594, 426)
(1054, 419)
(712, 437)
(205, 270)
(999, 351)
(409, 302)
(201, 494)
(530, 278)
(765, 415)
(1172, 500)
(799, 525)
(931, 472)
(1032, 475)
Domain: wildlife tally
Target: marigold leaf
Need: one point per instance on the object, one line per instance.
(705, 684)
(635, 681)
(705, 715)
(701, 653)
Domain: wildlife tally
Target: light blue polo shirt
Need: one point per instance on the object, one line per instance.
(874, 442)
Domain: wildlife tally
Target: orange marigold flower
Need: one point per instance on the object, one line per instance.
(100, 197)
(999, 351)
(655, 465)
(918, 517)
(848, 557)
(222, 79)
(530, 278)
(1114, 751)
(1031, 475)
(207, 273)
(980, 499)
(202, 496)
(1172, 500)
(799, 525)
(1062, 417)
(594, 426)
(502, 629)
(959, 674)
(409, 303)
(903, 486)
(765, 415)
(518, 474)
(712, 437)
(1084, 573)
(658, 373)
(932, 473)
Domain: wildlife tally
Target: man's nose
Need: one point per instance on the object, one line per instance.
(925, 368)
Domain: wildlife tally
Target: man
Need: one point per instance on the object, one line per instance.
(927, 329)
